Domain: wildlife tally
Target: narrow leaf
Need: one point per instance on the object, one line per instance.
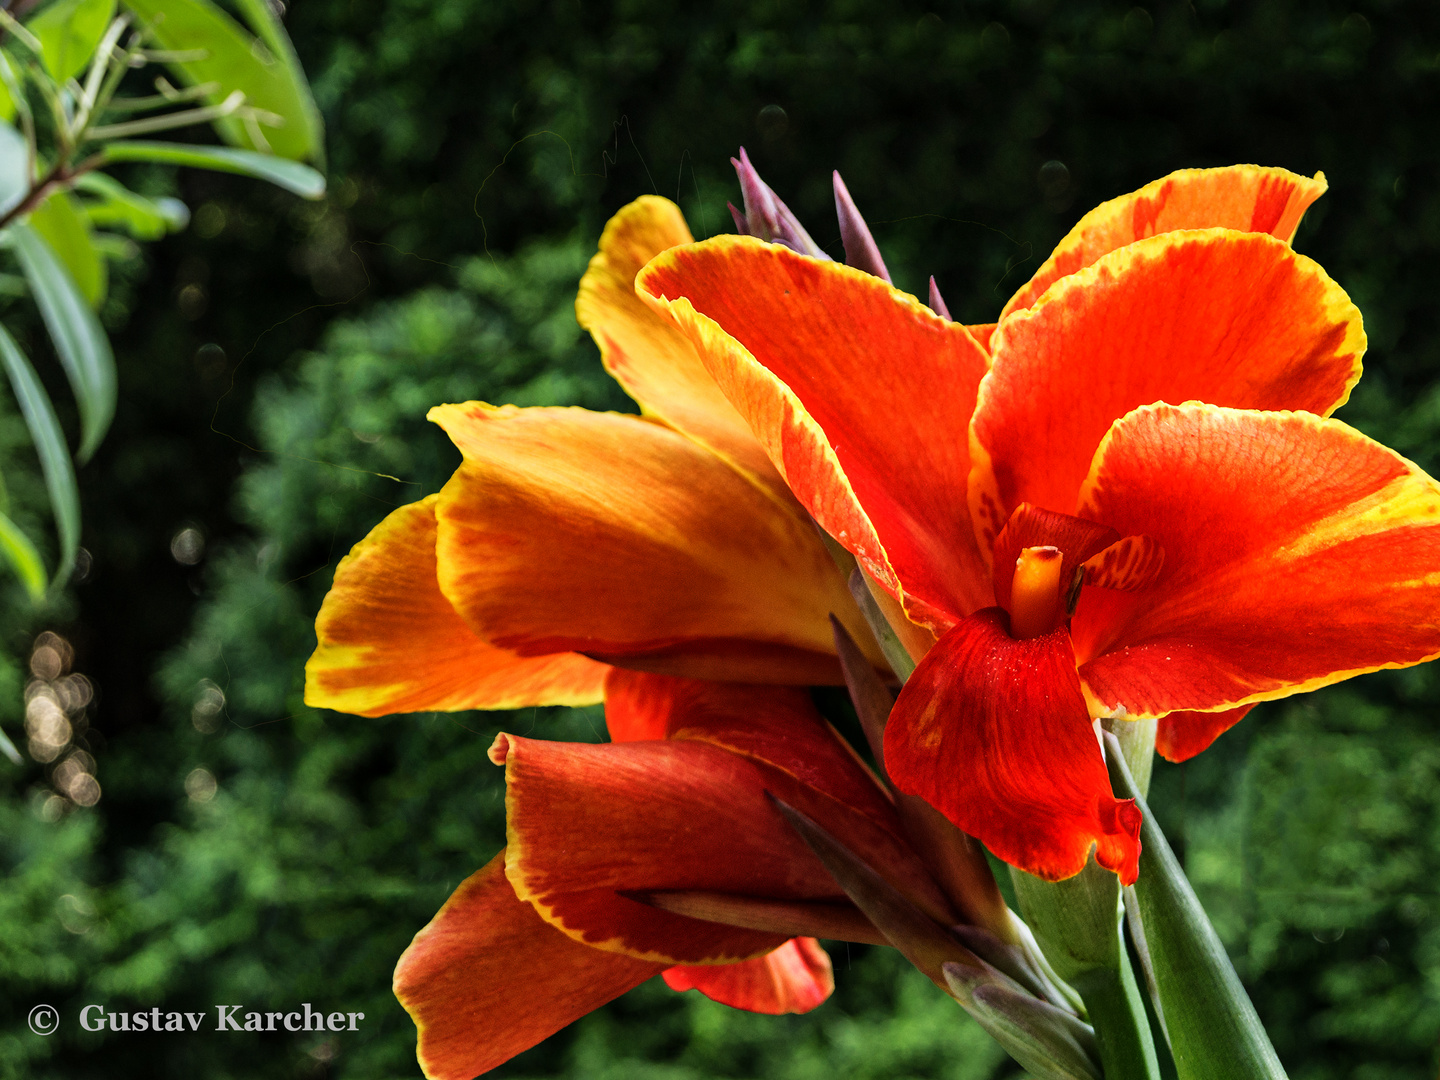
(8, 749)
(236, 61)
(117, 205)
(890, 644)
(290, 175)
(65, 228)
(50, 445)
(20, 553)
(14, 160)
(1215, 1033)
(83, 348)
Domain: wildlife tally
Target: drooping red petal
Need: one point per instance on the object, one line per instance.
(488, 978)
(588, 823)
(1297, 553)
(1244, 197)
(995, 734)
(1181, 735)
(777, 725)
(568, 530)
(644, 350)
(858, 392)
(1235, 319)
(794, 978)
(390, 642)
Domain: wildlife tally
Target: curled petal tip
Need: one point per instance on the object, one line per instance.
(861, 251)
(937, 303)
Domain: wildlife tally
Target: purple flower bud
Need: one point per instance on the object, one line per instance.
(860, 249)
(937, 305)
(766, 216)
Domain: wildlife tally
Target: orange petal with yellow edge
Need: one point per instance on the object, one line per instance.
(488, 978)
(390, 642)
(1297, 553)
(644, 350)
(1181, 735)
(994, 733)
(794, 978)
(567, 530)
(1248, 198)
(1228, 318)
(859, 393)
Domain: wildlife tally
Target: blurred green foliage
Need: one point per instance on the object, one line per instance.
(278, 358)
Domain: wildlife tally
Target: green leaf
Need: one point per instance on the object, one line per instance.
(1214, 1031)
(261, 17)
(60, 220)
(290, 175)
(270, 81)
(20, 553)
(49, 445)
(69, 31)
(14, 167)
(117, 205)
(83, 348)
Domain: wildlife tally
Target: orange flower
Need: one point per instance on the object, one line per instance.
(570, 541)
(660, 852)
(1152, 407)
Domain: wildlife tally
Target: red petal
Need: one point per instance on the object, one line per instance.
(568, 530)
(645, 351)
(1243, 197)
(1222, 317)
(1297, 553)
(777, 725)
(586, 823)
(488, 978)
(1182, 735)
(994, 733)
(390, 642)
(794, 978)
(859, 393)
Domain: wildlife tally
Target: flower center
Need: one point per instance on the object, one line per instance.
(1036, 595)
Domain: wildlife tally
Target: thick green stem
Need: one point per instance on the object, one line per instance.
(1117, 1013)
(1077, 923)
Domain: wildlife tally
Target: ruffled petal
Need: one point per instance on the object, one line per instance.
(995, 734)
(587, 825)
(860, 395)
(1243, 197)
(1297, 553)
(794, 978)
(568, 530)
(1181, 735)
(488, 978)
(644, 350)
(390, 642)
(1229, 318)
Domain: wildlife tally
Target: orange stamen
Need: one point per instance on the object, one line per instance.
(1036, 604)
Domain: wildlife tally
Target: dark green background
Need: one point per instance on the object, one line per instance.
(476, 148)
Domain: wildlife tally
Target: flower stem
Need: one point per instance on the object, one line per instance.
(1112, 998)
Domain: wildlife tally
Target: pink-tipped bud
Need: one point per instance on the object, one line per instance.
(766, 216)
(860, 249)
(937, 304)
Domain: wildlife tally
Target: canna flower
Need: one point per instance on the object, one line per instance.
(1124, 500)
(661, 852)
(570, 542)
